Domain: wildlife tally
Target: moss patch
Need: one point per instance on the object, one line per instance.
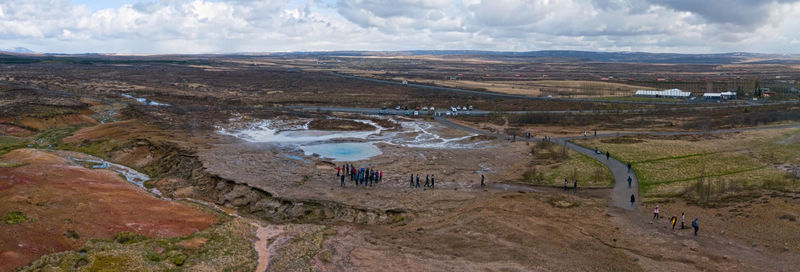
(15, 217)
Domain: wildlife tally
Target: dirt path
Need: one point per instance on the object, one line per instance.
(263, 246)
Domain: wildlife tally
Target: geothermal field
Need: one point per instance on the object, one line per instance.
(400, 162)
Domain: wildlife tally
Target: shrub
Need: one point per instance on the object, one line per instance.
(15, 217)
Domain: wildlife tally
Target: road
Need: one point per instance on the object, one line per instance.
(479, 112)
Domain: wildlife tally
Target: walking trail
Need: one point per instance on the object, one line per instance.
(620, 194)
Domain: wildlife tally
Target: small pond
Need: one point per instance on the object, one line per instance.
(342, 151)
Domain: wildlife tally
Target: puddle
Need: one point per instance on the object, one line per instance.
(297, 158)
(145, 101)
(343, 151)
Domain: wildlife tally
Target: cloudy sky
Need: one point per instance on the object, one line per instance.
(225, 26)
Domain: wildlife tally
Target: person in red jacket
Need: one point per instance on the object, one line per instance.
(338, 169)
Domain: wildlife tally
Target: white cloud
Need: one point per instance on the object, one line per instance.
(202, 26)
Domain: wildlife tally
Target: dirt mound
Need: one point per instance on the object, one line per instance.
(69, 204)
(13, 130)
(58, 121)
(339, 124)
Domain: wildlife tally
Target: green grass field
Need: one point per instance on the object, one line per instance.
(669, 166)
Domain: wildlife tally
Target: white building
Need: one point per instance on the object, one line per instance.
(725, 95)
(676, 93)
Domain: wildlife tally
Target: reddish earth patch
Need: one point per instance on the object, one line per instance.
(58, 196)
(11, 130)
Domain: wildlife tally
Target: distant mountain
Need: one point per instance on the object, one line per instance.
(582, 56)
(18, 50)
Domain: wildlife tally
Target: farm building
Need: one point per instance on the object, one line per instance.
(665, 93)
(725, 95)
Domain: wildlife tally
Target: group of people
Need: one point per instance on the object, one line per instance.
(430, 181)
(674, 220)
(360, 176)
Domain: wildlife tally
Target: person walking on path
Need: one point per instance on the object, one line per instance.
(427, 181)
(566, 183)
(608, 155)
(683, 217)
(380, 176)
(655, 213)
(633, 201)
(342, 181)
(417, 181)
(412, 181)
(629, 167)
(482, 184)
(575, 186)
(673, 221)
(433, 181)
(696, 226)
(629, 182)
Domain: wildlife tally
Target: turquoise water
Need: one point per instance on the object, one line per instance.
(343, 151)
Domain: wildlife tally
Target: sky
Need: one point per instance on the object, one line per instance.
(233, 26)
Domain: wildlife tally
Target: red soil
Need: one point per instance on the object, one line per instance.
(57, 196)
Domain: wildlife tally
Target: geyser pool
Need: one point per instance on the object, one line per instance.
(343, 151)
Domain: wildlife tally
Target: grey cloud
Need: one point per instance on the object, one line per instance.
(746, 13)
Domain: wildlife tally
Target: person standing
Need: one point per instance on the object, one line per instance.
(608, 155)
(673, 221)
(696, 226)
(433, 181)
(655, 213)
(342, 181)
(482, 184)
(566, 184)
(683, 217)
(575, 185)
(633, 201)
(412, 181)
(629, 182)
(338, 169)
(380, 176)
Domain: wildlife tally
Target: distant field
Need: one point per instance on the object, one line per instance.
(669, 166)
(560, 88)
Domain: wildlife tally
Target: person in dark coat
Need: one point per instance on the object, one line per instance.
(629, 181)
(417, 181)
(427, 181)
(633, 201)
(575, 186)
(696, 226)
(566, 184)
(342, 182)
(482, 184)
(412, 181)
(608, 155)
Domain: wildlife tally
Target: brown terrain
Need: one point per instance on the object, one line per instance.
(238, 205)
(66, 204)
